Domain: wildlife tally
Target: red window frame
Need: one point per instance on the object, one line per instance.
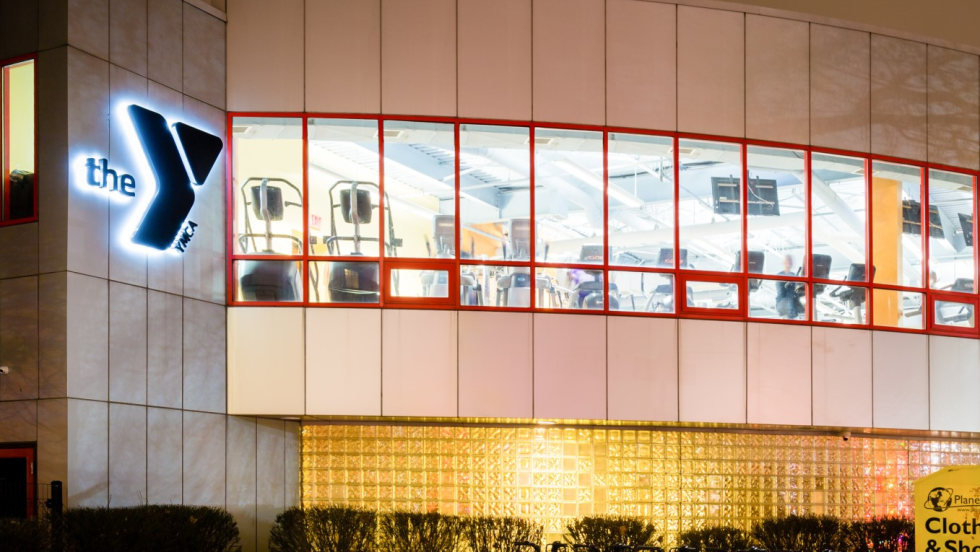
(942, 329)
(681, 276)
(5, 123)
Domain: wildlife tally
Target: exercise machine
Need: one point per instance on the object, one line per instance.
(267, 280)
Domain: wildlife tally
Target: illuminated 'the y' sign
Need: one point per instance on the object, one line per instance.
(162, 225)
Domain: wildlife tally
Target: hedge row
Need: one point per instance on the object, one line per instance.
(342, 529)
(144, 528)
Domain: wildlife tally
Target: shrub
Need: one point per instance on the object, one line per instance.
(29, 535)
(150, 529)
(417, 532)
(726, 538)
(323, 529)
(604, 532)
(885, 534)
(807, 533)
(498, 534)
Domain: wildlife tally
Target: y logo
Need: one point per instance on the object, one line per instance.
(174, 197)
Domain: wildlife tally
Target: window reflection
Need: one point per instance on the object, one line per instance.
(419, 283)
(951, 253)
(779, 299)
(269, 281)
(777, 211)
(898, 309)
(571, 288)
(641, 198)
(839, 304)
(344, 282)
(267, 182)
(955, 314)
(568, 200)
(495, 198)
(712, 295)
(420, 168)
(17, 188)
(839, 213)
(343, 187)
(897, 220)
(710, 205)
(641, 292)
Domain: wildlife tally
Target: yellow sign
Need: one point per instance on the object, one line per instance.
(947, 510)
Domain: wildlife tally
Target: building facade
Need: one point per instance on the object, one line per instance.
(546, 258)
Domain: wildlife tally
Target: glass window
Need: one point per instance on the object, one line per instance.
(420, 187)
(419, 283)
(896, 225)
(710, 205)
(839, 304)
(495, 192)
(18, 185)
(569, 288)
(344, 282)
(267, 185)
(269, 281)
(641, 199)
(712, 295)
(776, 211)
(495, 286)
(953, 313)
(951, 231)
(898, 309)
(568, 200)
(343, 178)
(838, 197)
(777, 299)
(641, 292)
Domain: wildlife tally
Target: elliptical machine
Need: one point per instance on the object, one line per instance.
(267, 280)
(354, 281)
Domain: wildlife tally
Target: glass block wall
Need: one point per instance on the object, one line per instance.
(678, 479)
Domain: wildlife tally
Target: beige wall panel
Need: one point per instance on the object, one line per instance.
(204, 383)
(204, 459)
(842, 377)
(641, 64)
(710, 71)
(165, 56)
(779, 375)
(954, 377)
(419, 363)
(52, 440)
(127, 454)
(343, 362)
(266, 361)
(19, 421)
(88, 453)
(495, 59)
(19, 250)
(270, 493)
(127, 343)
(901, 380)
(88, 337)
(495, 365)
(52, 151)
(569, 366)
(777, 79)
(204, 55)
(642, 369)
(711, 379)
(87, 26)
(343, 56)
(954, 108)
(240, 477)
(840, 88)
(898, 98)
(569, 61)
(52, 335)
(165, 349)
(88, 134)
(164, 471)
(19, 338)
(127, 263)
(418, 57)
(292, 483)
(128, 35)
